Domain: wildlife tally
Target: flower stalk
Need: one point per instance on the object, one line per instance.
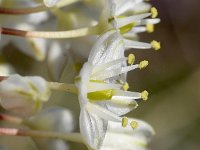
(52, 35)
(72, 137)
(63, 87)
(11, 119)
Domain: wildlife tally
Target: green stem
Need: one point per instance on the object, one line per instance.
(73, 137)
(71, 88)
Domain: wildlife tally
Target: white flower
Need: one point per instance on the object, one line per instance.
(119, 138)
(55, 119)
(102, 88)
(115, 13)
(23, 95)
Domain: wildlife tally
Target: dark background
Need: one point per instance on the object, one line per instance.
(173, 77)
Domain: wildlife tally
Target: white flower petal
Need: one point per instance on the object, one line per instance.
(102, 112)
(93, 86)
(136, 44)
(148, 21)
(92, 128)
(121, 106)
(128, 20)
(99, 48)
(107, 66)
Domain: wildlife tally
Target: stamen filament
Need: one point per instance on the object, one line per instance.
(73, 137)
(71, 88)
(52, 35)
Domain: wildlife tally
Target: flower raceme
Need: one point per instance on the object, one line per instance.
(102, 88)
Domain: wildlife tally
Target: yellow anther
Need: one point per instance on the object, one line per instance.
(156, 45)
(124, 122)
(125, 86)
(154, 12)
(134, 124)
(143, 64)
(144, 95)
(131, 59)
(150, 28)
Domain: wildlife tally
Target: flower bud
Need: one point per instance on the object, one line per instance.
(52, 119)
(23, 95)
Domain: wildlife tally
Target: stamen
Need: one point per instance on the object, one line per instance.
(125, 86)
(150, 28)
(134, 124)
(63, 87)
(143, 64)
(156, 45)
(124, 122)
(154, 12)
(144, 95)
(131, 59)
